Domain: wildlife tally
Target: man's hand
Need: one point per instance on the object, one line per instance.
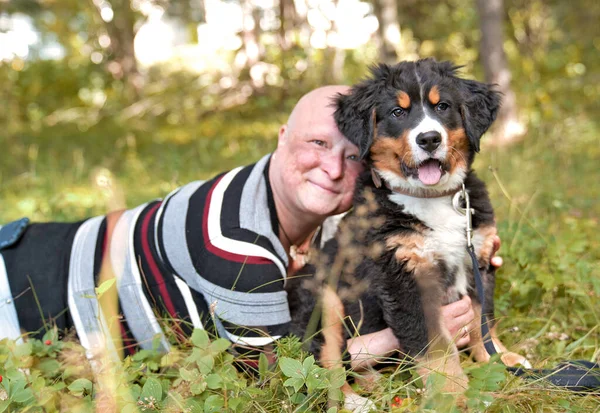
(457, 317)
(496, 260)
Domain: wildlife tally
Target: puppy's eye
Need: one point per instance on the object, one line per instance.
(442, 106)
(398, 112)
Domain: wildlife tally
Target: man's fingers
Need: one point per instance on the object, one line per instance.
(497, 243)
(457, 308)
(463, 341)
(457, 317)
(497, 261)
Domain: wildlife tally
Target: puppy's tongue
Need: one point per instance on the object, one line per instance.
(430, 172)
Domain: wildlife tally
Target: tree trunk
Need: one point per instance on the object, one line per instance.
(388, 32)
(507, 128)
(286, 18)
(249, 34)
(120, 29)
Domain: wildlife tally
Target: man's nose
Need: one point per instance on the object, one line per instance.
(333, 164)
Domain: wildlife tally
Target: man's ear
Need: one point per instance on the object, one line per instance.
(282, 137)
(355, 113)
(479, 109)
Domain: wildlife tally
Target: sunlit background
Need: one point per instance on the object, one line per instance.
(112, 103)
(156, 93)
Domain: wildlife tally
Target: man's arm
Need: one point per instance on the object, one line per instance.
(366, 350)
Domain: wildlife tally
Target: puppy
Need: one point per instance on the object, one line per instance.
(418, 126)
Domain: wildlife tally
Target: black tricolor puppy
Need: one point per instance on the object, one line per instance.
(418, 126)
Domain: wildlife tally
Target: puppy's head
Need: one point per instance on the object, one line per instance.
(417, 123)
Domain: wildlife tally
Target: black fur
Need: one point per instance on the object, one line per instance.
(393, 297)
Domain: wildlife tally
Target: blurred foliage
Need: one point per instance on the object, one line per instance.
(69, 126)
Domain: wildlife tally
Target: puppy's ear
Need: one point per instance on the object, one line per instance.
(355, 124)
(355, 113)
(479, 109)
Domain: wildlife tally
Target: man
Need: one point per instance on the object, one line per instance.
(212, 253)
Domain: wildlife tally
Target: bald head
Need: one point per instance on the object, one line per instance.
(314, 168)
(315, 109)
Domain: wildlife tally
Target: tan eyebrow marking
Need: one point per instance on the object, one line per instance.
(403, 100)
(434, 95)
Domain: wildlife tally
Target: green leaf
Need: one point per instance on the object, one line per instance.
(49, 367)
(294, 382)
(194, 405)
(307, 365)
(214, 403)
(3, 405)
(214, 381)
(298, 398)
(236, 404)
(23, 396)
(263, 366)
(189, 375)
(104, 287)
(23, 350)
(206, 364)
(337, 377)
(291, 367)
(198, 387)
(316, 379)
(336, 394)
(219, 345)
(151, 389)
(80, 386)
(200, 338)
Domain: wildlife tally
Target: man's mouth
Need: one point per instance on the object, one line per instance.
(326, 188)
(429, 172)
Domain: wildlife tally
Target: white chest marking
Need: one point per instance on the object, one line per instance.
(446, 240)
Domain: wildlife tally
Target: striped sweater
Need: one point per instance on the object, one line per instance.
(207, 255)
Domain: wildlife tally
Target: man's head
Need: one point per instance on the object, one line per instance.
(314, 168)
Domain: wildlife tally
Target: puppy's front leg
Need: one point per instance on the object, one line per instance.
(334, 342)
(415, 318)
(484, 242)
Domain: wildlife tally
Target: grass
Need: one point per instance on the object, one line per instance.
(545, 191)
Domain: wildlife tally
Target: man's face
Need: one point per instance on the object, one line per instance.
(319, 167)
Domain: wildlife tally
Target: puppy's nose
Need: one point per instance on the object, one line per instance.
(429, 141)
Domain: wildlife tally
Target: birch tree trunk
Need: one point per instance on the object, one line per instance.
(120, 29)
(388, 32)
(507, 128)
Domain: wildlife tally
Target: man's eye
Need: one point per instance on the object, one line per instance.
(354, 158)
(442, 106)
(398, 112)
(318, 142)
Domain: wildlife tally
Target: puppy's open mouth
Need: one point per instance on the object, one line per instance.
(429, 172)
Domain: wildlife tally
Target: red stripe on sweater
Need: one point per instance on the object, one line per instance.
(229, 256)
(149, 258)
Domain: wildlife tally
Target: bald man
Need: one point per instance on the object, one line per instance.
(212, 255)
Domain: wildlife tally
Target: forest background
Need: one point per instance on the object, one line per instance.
(111, 103)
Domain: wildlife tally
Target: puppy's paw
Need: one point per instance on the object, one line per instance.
(358, 404)
(515, 360)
